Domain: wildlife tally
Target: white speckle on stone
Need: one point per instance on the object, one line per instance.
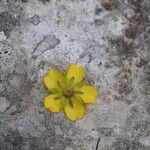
(68, 148)
(58, 131)
(145, 141)
(4, 104)
(2, 36)
(1, 88)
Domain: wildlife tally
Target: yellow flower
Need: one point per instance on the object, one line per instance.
(68, 92)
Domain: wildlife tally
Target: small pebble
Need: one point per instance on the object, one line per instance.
(35, 20)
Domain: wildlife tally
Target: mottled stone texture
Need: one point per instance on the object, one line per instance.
(110, 38)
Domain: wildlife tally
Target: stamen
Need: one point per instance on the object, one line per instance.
(78, 92)
(68, 95)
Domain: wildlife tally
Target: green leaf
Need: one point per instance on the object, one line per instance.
(58, 98)
(71, 80)
(78, 92)
(77, 100)
(55, 90)
(64, 102)
(79, 84)
(64, 78)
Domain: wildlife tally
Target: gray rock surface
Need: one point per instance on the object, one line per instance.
(4, 104)
(110, 38)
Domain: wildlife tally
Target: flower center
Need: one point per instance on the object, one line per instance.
(69, 94)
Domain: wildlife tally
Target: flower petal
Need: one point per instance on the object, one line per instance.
(75, 112)
(52, 104)
(75, 71)
(89, 94)
(52, 78)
